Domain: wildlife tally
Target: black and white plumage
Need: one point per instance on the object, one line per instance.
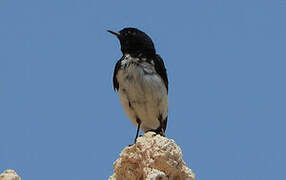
(141, 80)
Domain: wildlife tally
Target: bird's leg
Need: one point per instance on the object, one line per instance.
(157, 131)
(161, 129)
(138, 128)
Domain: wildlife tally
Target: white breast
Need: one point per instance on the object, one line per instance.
(142, 93)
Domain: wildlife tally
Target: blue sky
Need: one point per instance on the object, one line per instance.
(61, 119)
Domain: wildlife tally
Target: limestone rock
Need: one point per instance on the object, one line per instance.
(153, 157)
(9, 174)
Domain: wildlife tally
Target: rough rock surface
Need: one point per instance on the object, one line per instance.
(9, 174)
(153, 157)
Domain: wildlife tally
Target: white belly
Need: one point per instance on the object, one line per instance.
(143, 95)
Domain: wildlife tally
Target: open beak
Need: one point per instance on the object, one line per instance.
(114, 33)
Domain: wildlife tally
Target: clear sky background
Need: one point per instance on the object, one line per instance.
(226, 62)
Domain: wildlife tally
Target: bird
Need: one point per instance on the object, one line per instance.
(141, 80)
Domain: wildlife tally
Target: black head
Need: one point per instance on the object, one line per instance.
(135, 42)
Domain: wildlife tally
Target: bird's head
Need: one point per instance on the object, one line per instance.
(135, 42)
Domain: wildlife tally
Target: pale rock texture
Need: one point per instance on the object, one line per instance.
(9, 174)
(153, 157)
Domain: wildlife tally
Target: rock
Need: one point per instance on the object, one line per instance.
(9, 174)
(153, 157)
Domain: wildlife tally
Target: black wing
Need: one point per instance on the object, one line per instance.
(161, 70)
(115, 82)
